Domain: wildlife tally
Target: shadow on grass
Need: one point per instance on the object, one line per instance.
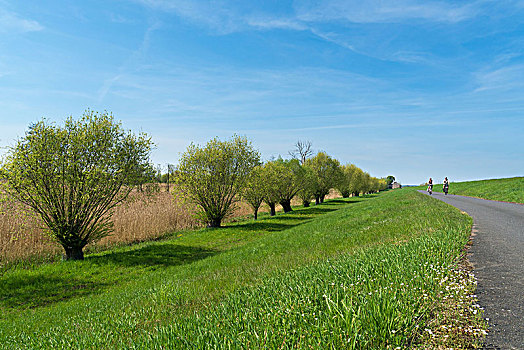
(298, 216)
(343, 201)
(31, 291)
(26, 290)
(262, 225)
(166, 254)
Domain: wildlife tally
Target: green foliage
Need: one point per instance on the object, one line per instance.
(254, 190)
(390, 179)
(343, 185)
(286, 180)
(213, 176)
(355, 181)
(271, 174)
(382, 184)
(307, 192)
(327, 174)
(73, 176)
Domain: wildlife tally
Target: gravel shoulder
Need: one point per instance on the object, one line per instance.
(497, 255)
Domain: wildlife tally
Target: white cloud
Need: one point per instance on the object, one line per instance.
(505, 78)
(383, 11)
(217, 15)
(132, 61)
(11, 22)
(275, 23)
(223, 17)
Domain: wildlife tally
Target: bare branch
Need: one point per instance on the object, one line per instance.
(302, 151)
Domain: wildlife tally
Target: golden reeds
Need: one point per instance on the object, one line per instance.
(141, 217)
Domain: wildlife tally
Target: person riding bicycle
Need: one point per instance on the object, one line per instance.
(445, 186)
(430, 185)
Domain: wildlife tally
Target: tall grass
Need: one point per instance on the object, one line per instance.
(380, 298)
(358, 273)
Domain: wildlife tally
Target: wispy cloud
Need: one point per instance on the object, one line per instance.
(226, 17)
(132, 61)
(384, 11)
(11, 22)
(326, 19)
(505, 78)
(276, 23)
(333, 38)
(223, 17)
(418, 123)
(218, 15)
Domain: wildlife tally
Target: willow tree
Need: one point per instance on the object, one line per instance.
(212, 177)
(271, 175)
(327, 174)
(73, 176)
(345, 179)
(285, 178)
(254, 190)
(357, 182)
(307, 192)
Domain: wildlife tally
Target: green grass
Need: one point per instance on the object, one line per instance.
(508, 190)
(356, 273)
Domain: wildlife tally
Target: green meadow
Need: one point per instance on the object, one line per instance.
(507, 190)
(372, 272)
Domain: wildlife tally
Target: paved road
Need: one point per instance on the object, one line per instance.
(497, 255)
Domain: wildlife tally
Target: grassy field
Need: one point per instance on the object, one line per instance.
(508, 190)
(374, 272)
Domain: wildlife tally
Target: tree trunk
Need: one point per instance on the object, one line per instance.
(74, 253)
(214, 223)
(317, 200)
(256, 214)
(272, 209)
(286, 205)
(305, 204)
(322, 198)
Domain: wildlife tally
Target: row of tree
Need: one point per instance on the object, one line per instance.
(221, 173)
(73, 176)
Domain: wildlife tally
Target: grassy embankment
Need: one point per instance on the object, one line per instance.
(508, 190)
(372, 272)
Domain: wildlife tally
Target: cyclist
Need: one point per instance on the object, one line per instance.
(445, 186)
(430, 185)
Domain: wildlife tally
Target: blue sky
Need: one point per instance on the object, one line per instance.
(409, 88)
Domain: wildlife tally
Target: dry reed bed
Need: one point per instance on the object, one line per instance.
(141, 217)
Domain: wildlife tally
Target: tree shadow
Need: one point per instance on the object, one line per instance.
(31, 291)
(343, 201)
(313, 211)
(165, 254)
(36, 289)
(262, 225)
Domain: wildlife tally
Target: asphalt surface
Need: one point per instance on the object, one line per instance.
(497, 255)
